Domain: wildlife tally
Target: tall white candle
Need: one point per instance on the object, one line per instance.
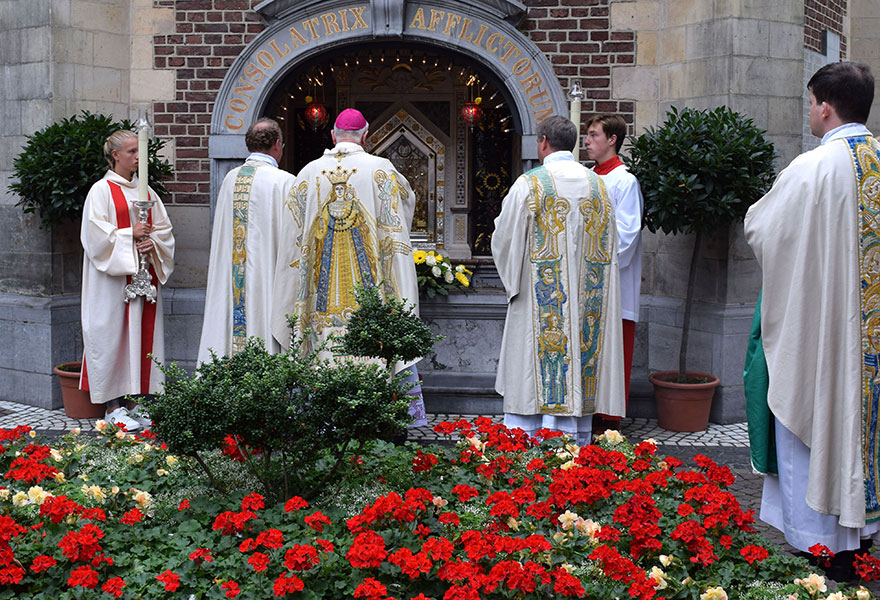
(575, 96)
(143, 161)
(576, 119)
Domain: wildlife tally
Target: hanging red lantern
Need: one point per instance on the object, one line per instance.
(315, 114)
(472, 113)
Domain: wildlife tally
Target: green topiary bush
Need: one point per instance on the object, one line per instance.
(700, 171)
(59, 164)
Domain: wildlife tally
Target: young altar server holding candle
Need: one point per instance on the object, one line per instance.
(118, 337)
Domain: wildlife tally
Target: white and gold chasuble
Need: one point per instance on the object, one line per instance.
(347, 226)
(555, 246)
(244, 249)
(816, 235)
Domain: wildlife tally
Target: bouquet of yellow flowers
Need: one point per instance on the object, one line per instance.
(436, 275)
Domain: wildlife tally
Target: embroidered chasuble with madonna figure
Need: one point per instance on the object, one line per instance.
(350, 227)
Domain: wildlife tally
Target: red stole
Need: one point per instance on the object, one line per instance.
(609, 165)
(148, 319)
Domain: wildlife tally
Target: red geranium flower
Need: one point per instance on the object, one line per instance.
(317, 520)
(295, 503)
(184, 504)
(232, 589)
(42, 562)
(753, 553)
(285, 585)
(301, 557)
(113, 586)
(11, 574)
(201, 554)
(271, 538)
(367, 550)
(131, 517)
(83, 576)
(371, 589)
(259, 561)
(326, 545)
(252, 501)
(170, 579)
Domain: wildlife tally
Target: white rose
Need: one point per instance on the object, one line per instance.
(435, 270)
(714, 593)
(37, 495)
(20, 499)
(449, 277)
(430, 260)
(665, 560)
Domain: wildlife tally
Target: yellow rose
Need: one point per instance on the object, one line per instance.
(161, 472)
(513, 523)
(568, 465)
(659, 578)
(144, 499)
(137, 458)
(32, 433)
(568, 519)
(37, 495)
(20, 499)
(665, 560)
(59, 477)
(714, 593)
(612, 436)
(170, 460)
(462, 279)
(56, 456)
(814, 583)
(4, 494)
(419, 256)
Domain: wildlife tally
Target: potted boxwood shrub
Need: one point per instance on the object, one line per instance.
(699, 172)
(52, 176)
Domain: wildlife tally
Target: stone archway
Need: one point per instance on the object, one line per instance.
(298, 30)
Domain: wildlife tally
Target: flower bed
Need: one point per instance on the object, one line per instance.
(497, 515)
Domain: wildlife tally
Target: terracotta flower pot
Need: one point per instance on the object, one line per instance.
(77, 402)
(683, 406)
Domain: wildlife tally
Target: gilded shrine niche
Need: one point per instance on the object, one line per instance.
(413, 99)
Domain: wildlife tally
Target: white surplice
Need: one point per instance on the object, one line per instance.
(805, 235)
(349, 223)
(261, 229)
(624, 191)
(557, 258)
(111, 328)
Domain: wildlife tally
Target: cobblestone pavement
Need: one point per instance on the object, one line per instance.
(725, 444)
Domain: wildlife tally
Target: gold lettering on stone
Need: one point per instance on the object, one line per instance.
(344, 20)
(274, 46)
(464, 35)
(330, 24)
(231, 119)
(436, 17)
(480, 34)
(490, 43)
(534, 97)
(522, 66)
(359, 22)
(311, 24)
(244, 87)
(265, 59)
(531, 82)
(452, 20)
(238, 105)
(252, 71)
(511, 49)
(418, 21)
(297, 38)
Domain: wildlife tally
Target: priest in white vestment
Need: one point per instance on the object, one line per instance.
(118, 337)
(349, 223)
(816, 237)
(555, 246)
(244, 247)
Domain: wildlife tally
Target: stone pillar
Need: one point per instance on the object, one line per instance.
(864, 46)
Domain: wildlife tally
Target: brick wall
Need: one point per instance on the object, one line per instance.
(820, 15)
(575, 35)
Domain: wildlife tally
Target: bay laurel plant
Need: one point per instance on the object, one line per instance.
(292, 417)
(59, 163)
(493, 514)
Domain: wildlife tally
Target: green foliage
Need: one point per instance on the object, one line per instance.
(60, 163)
(386, 329)
(292, 417)
(701, 169)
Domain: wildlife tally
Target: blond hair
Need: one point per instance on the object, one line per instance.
(114, 142)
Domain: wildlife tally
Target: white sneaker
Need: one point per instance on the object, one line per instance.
(121, 419)
(140, 414)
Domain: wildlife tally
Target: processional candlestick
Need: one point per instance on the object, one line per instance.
(141, 283)
(575, 94)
